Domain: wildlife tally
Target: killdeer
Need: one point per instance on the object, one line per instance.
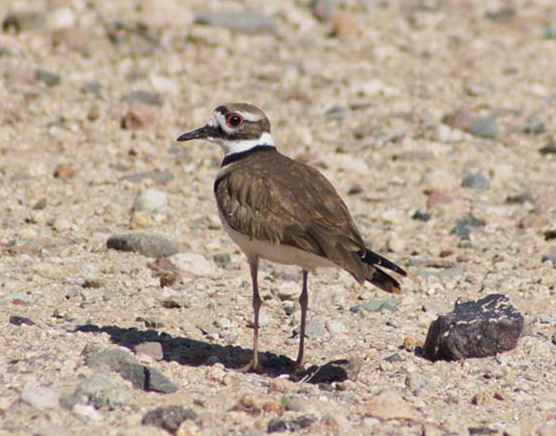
(282, 210)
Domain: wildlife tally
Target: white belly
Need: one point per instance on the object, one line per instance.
(284, 254)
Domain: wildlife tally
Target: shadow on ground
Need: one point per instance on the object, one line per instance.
(195, 353)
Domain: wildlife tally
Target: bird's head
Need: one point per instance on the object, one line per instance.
(236, 127)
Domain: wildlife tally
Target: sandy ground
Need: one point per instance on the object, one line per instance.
(446, 107)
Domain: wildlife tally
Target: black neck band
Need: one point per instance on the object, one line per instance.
(234, 157)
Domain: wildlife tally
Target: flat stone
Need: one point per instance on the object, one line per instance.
(193, 263)
(377, 305)
(152, 201)
(244, 21)
(480, 328)
(47, 77)
(476, 180)
(168, 418)
(147, 244)
(20, 320)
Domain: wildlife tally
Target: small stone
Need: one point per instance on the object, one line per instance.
(476, 180)
(521, 198)
(389, 405)
(315, 328)
(355, 189)
(476, 431)
(485, 127)
(88, 412)
(48, 78)
(94, 113)
(243, 21)
(415, 382)
(61, 18)
(143, 97)
(377, 305)
(102, 390)
(482, 399)
(534, 126)
(549, 234)
(40, 204)
(139, 116)
(324, 10)
(448, 135)
(421, 215)
(293, 403)
(336, 327)
(222, 260)
(40, 397)
(465, 226)
(147, 244)
(345, 26)
(411, 343)
(549, 148)
(62, 224)
(193, 263)
(278, 425)
(22, 21)
(20, 320)
(168, 418)
(152, 349)
(480, 328)
(93, 87)
(168, 279)
(152, 201)
(396, 244)
(64, 172)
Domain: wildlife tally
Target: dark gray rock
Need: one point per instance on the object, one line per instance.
(20, 320)
(279, 425)
(521, 198)
(549, 148)
(93, 87)
(550, 234)
(421, 215)
(480, 328)
(476, 180)
(147, 244)
(168, 418)
(125, 364)
(244, 21)
(48, 78)
(465, 225)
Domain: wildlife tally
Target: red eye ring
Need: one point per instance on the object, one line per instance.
(234, 120)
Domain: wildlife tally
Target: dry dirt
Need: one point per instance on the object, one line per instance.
(397, 102)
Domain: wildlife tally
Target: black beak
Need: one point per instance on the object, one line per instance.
(200, 133)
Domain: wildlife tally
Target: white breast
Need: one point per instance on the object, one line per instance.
(284, 254)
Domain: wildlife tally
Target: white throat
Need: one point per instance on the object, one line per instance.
(239, 146)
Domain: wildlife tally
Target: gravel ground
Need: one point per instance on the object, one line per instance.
(435, 121)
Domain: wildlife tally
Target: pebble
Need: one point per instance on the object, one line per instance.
(336, 327)
(389, 404)
(465, 226)
(168, 418)
(40, 397)
(152, 349)
(550, 234)
(479, 328)
(152, 201)
(415, 382)
(64, 172)
(61, 18)
(345, 26)
(88, 412)
(549, 148)
(20, 320)
(143, 97)
(93, 87)
(147, 244)
(476, 180)
(193, 263)
(241, 21)
(534, 126)
(377, 305)
(316, 328)
(324, 10)
(447, 135)
(421, 215)
(222, 260)
(23, 21)
(139, 116)
(278, 425)
(484, 126)
(49, 78)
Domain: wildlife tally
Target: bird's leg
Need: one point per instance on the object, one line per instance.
(254, 364)
(304, 303)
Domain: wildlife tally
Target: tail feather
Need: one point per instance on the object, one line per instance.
(375, 259)
(383, 281)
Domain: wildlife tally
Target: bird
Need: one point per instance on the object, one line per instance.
(281, 210)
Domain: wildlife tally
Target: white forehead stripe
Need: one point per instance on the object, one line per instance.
(250, 116)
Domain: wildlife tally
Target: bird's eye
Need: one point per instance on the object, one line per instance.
(233, 120)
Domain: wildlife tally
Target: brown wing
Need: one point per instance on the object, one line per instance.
(283, 201)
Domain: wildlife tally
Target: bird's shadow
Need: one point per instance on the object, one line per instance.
(192, 352)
